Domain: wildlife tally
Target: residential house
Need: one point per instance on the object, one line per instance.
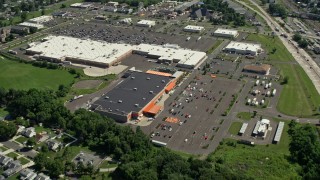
(4, 33)
(27, 174)
(53, 145)
(13, 167)
(42, 176)
(4, 160)
(29, 132)
(22, 30)
(111, 9)
(201, 14)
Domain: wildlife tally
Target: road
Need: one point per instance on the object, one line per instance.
(300, 55)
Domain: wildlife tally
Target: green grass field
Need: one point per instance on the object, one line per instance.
(23, 160)
(25, 76)
(258, 162)
(21, 139)
(299, 97)
(13, 155)
(268, 44)
(3, 112)
(244, 115)
(235, 128)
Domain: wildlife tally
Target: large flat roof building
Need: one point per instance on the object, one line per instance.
(258, 69)
(134, 96)
(185, 58)
(40, 19)
(31, 25)
(82, 51)
(146, 23)
(191, 28)
(243, 48)
(228, 33)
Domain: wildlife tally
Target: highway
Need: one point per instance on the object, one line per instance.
(300, 55)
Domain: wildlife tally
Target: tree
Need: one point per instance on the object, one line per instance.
(43, 12)
(285, 80)
(297, 37)
(55, 167)
(23, 16)
(303, 136)
(303, 43)
(7, 130)
(31, 142)
(63, 6)
(41, 160)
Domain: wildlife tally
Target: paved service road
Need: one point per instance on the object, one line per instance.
(300, 55)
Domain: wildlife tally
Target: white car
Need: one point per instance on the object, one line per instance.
(152, 135)
(180, 123)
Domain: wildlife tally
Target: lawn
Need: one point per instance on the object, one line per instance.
(21, 139)
(18, 75)
(107, 164)
(2, 148)
(235, 128)
(258, 162)
(244, 115)
(183, 154)
(268, 44)
(299, 97)
(215, 45)
(13, 155)
(23, 160)
(3, 113)
(299, 88)
(40, 129)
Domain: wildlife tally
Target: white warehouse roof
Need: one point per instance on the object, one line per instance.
(244, 46)
(172, 53)
(146, 23)
(34, 25)
(193, 28)
(86, 50)
(279, 132)
(226, 32)
(40, 19)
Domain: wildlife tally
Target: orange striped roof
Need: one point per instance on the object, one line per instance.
(159, 73)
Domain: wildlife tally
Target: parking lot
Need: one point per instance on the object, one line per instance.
(131, 35)
(263, 93)
(198, 107)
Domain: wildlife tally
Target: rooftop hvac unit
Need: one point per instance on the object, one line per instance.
(120, 101)
(132, 77)
(148, 78)
(135, 89)
(151, 92)
(136, 105)
(158, 86)
(163, 81)
(144, 98)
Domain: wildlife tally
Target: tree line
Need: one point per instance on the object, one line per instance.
(305, 148)
(228, 14)
(139, 158)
